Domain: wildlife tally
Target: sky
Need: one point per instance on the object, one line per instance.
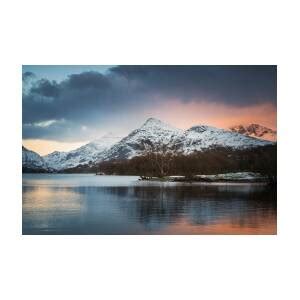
(64, 107)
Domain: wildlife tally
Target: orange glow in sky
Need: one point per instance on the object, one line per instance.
(181, 115)
(185, 115)
(44, 147)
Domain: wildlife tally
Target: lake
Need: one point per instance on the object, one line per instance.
(89, 204)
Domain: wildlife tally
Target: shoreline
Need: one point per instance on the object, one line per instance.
(241, 178)
(238, 177)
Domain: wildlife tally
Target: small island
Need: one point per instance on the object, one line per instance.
(237, 177)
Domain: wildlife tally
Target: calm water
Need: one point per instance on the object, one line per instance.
(89, 204)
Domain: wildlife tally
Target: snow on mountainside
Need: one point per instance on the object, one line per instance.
(32, 160)
(257, 131)
(197, 138)
(153, 132)
(90, 152)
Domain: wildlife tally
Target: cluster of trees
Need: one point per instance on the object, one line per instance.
(159, 163)
(33, 170)
(87, 168)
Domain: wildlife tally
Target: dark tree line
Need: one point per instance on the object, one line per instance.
(213, 161)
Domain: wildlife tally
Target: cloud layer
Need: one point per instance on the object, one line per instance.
(87, 104)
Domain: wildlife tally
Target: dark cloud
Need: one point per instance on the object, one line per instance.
(27, 75)
(236, 85)
(87, 80)
(53, 110)
(61, 130)
(46, 88)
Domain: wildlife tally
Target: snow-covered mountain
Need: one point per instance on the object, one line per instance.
(198, 138)
(257, 131)
(152, 133)
(90, 152)
(32, 160)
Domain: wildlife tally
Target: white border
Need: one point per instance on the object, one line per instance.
(155, 32)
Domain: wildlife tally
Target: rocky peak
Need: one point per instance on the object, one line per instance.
(256, 130)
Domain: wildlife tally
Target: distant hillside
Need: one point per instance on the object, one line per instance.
(257, 131)
(86, 154)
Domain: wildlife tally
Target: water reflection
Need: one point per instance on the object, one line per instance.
(148, 209)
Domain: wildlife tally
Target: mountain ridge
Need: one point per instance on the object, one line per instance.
(153, 133)
(85, 154)
(256, 130)
(32, 160)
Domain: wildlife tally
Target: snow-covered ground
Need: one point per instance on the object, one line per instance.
(238, 176)
(235, 177)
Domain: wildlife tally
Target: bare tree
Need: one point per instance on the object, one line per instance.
(160, 158)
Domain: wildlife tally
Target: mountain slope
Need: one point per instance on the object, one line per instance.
(256, 130)
(32, 160)
(198, 138)
(90, 152)
(152, 133)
